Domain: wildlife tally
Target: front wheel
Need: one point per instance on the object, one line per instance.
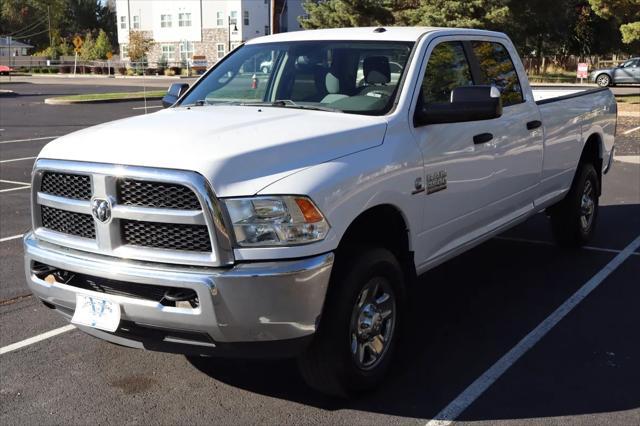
(603, 80)
(357, 336)
(573, 220)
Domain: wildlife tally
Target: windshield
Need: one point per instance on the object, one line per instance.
(340, 76)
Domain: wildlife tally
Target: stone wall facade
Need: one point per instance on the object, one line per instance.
(208, 47)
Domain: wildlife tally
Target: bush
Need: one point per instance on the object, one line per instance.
(122, 70)
(150, 71)
(97, 70)
(169, 72)
(65, 69)
(176, 70)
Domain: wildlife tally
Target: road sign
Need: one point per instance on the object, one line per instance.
(583, 70)
(77, 42)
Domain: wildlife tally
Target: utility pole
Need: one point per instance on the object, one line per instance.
(50, 39)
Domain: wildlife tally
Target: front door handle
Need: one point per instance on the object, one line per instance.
(482, 138)
(534, 124)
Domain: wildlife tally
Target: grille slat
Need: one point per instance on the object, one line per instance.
(166, 235)
(66, 222)
(156, 194)
(66, 185)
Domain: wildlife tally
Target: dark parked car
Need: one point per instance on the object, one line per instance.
(627, 72)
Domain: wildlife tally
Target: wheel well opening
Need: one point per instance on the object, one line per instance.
(381, 226)
(591, 154)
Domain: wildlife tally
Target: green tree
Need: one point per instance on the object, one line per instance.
(346, 13)
(87, 51)
(102, 46)
(625, 12)
(491, 14)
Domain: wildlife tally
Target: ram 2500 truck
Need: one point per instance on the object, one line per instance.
(288, 212)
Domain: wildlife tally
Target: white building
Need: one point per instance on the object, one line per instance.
(210, 28)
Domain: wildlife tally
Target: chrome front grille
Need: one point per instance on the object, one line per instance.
(66, 185)
(156, 194)
(66, 222)
(154, 214)
(166, 236)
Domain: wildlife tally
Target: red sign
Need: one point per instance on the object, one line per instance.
(583, 70)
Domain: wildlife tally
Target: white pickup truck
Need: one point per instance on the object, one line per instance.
(289, 213)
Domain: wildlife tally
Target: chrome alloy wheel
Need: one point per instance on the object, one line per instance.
(587, 206)
(603, 80)
(372, 323)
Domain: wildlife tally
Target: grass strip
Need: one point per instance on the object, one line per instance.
(150, 94)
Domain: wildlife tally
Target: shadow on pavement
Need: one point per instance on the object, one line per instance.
(464, 315)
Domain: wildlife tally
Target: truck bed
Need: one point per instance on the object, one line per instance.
(548, 94)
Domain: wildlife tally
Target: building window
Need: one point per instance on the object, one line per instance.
(184, 19)
(233, 18)
(168, 52)
(136, 22)
(220, 47)
(165, 21)
(266, 30)
(124, 51)
(186, 50)
(123, 22)
(219, 19)
(246, 17)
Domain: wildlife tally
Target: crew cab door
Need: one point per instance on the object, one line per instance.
(458, 173)
(518, 141)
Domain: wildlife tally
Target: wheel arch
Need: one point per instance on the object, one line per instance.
(383, 225)
(593, 152)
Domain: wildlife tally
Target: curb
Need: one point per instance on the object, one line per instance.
(56, 101)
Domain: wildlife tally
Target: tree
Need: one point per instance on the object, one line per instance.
(491, 14)
(139, 46)
(346, 13)
(87, 51)
(102, 46)
(625, 12)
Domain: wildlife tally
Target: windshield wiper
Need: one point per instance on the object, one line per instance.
(281, 103)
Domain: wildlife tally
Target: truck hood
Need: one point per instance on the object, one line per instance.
(240, 150)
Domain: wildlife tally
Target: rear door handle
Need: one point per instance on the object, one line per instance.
(482, 138)
(534, 124)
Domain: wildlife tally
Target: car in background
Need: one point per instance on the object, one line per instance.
(5, 70)
(265, 66)
(627, 72)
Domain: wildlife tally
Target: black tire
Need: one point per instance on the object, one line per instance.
(603, 80)
(328, 365)
(574, 219)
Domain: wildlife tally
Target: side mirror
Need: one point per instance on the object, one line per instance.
(173, 94)
(470, 103)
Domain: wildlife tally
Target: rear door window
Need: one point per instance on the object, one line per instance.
(497, 68)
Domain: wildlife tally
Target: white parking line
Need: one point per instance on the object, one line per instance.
(149, 107)
(44, 138)
(17, 159)
(36, 339)
(631, 130)
(15, 237)
(451, 412)
(15, 189)
(14, 182)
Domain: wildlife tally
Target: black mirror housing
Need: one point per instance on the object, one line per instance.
(471, 103)
(173, 94)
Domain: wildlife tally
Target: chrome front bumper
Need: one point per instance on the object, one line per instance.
(250, 302)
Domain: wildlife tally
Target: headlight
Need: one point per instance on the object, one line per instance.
(276, 221)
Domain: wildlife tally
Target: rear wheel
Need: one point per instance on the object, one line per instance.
(573, 220)
(357, 337)
(603, 80)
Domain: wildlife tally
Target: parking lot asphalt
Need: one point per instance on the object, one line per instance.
(465, 316)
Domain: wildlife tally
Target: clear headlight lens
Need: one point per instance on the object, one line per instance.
(276, 221)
